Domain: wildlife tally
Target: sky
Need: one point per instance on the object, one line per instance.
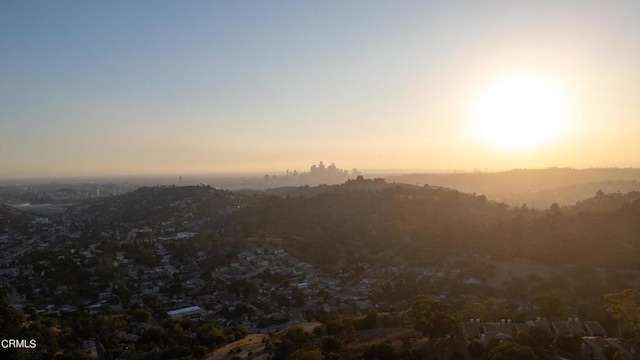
(168, 87)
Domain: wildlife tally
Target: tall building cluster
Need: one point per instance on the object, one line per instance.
(318, 174)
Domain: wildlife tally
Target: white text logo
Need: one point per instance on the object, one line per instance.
(18, 344)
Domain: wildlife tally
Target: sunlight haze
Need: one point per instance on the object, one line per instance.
(119, 87)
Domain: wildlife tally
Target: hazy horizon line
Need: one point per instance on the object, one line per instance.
(194, 176)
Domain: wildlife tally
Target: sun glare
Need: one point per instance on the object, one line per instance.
(520, 112)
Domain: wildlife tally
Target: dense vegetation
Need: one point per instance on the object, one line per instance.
(342, 227)
(11, 218)
(393, 224)
(157, 204)
(62, 337)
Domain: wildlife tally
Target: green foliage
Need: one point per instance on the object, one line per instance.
(569, 344)
(108, 326)
(330, 344)
(439, 321)
(10, 328)
(10, 321)
(297, 296)
(623, 308)
(552, 306)
(511, 350)
(391, 224)
(291, 341)
(380, 351)
(369, 321)
(609, 352)
(475, 311)
(341, 328)
(475, 348)
(619, 355)
(73, 354)
(141, 315)
(300, 354)
(539, 340)
(158, 204)
(419, 305)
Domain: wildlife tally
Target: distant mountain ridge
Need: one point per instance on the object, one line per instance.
(535, 187)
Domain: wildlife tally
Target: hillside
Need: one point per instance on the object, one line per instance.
(13, 219)
(537, 188)
(153, 205)
(385, 223)
(411, 225)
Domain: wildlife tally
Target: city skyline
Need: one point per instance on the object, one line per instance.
(120, 88)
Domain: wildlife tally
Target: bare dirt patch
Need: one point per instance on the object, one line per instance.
(252, 343)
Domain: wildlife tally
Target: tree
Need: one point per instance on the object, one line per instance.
(73, 354)
(475, 349)
(369, 321)
(141, 315)
(474, 311)
(510, 350)
(10, 321)
(553, 306)
(539, 340)
(609, 352)
(623, 308)
(330, 345)
(342, 329)
(380, 351)
(10, 328)
(298, 297)
(438, 321)
(294, 339)
(619, 355)
(569, 344)
(300, 354)
(108, 326)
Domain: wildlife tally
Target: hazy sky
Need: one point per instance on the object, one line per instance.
(177, 87)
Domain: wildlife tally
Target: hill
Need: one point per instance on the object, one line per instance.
(154, 205)
(404, 225)
(537, 188)
(387, 223)
(13, 219)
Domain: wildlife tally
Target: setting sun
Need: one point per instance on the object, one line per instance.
(520, 112)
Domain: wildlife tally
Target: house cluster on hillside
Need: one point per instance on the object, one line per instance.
(58, 267)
